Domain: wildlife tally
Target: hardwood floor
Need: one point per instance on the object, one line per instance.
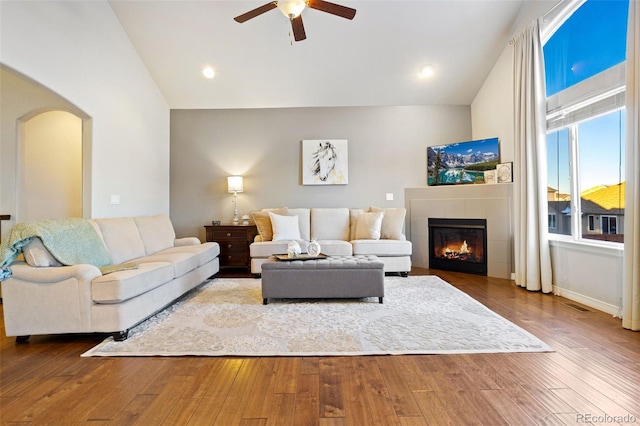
(592, 377)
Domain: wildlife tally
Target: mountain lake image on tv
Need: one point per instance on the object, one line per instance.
(462, 162)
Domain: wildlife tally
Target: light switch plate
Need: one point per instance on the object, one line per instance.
(115, 199)
(389, 196)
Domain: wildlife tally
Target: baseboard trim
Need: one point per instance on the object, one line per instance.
(588, 301)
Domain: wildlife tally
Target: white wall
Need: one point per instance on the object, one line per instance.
(51, 167)
(79, 50)
(581, 272)
(387, 153)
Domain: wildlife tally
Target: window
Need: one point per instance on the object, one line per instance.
(552, 220)
(585, 77)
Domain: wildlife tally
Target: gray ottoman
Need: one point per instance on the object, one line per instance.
(333, 277)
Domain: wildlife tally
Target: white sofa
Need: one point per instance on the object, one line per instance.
(44, 297)
(339, 231)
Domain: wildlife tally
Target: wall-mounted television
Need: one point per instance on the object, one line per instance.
(462, 162)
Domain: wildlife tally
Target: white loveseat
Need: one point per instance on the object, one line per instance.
(339, 231)
(152, 269)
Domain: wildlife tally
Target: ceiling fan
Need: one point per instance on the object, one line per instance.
(292, 9)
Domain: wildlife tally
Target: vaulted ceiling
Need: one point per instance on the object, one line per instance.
(372, 60)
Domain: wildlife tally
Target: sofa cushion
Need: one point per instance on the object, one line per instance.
(205, 252)
(353, 221)
(122, 238)
(181, 261)
(156, 232)
(263, 222)
(382, 248)
(36, 254)
(304, 222)
(270, 248)
(330, 224)
(392, 222)
(335, 247)
(123, 285)
(285, 228)
(369, 225)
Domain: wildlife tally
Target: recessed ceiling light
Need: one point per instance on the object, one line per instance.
(426, 71)
(208, 72)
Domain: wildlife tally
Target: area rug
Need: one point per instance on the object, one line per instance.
(420, 315)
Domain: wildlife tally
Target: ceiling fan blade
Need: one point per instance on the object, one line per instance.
(255, 12)
(298, 28)
(332, 8)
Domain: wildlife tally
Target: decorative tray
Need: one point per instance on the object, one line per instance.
(286, 257)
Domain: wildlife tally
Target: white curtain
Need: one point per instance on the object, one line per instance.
(631, 273)
(532, 253)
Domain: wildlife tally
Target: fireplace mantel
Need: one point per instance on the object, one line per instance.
(475, 201)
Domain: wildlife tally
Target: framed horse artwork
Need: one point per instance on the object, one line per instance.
(325, 162)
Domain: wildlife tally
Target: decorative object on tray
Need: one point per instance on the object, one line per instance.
(293, 249)
(325, 162)
(314, 248)
(504, 172)
(286, 257)
(245, 219)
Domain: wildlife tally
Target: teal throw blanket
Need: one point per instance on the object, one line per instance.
(70, 241)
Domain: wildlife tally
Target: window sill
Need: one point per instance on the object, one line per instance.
(602, 248)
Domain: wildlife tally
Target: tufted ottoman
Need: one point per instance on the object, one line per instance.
(333, 277)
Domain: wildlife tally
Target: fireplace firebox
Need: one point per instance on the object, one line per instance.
(458, 245)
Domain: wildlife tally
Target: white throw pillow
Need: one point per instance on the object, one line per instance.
(369, 226)
(285, 228)
(392, 223)
(263, 222)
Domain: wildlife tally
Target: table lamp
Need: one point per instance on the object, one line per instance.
(234, 184)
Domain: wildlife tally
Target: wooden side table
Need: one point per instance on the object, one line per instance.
(234, 243)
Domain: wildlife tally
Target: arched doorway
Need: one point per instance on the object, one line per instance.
(50, 166)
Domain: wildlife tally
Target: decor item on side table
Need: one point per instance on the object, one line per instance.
(234, 185)
(234, 243)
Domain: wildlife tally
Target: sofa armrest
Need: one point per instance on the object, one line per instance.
(187, 241)
(53, 274)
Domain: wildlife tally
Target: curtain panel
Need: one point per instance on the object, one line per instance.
(631, 272)
(532, 251)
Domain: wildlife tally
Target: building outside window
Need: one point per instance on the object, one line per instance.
(585, 79)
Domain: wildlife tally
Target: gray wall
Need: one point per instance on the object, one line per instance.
(387, 153)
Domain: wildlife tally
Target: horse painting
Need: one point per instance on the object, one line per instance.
(324, 160)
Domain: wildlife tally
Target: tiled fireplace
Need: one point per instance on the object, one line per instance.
(491, 202)
(458, 245)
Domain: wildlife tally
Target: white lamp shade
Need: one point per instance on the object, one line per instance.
(234, 183)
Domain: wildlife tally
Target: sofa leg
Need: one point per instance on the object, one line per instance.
(380, 300)
(22, 339)
(404, 274)
(265, 301)
(120, 336)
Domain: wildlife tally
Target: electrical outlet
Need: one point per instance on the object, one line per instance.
(115, 199)
(389, 196)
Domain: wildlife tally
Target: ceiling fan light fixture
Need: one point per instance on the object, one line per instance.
(291, 8)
